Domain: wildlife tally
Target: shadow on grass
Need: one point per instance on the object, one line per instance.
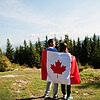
(42, 98)
(86, 85)
(32, 98)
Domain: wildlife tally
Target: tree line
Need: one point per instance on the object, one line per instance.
(86, 51)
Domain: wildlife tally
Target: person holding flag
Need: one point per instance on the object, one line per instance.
(51, 47)
(63, 48)
(59, 67)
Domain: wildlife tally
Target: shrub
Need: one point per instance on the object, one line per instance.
(4, 63)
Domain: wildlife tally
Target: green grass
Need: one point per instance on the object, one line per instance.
(27, 85)
(89, 89)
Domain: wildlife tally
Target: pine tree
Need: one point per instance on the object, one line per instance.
(70, 46)
(67, 41)
(98, 43)
(0, 52)
(60, 41)
(26, 53)
(39, 47)
(46, 43)
(9, 51)
(31, 55)
(21, 55)
(78, 49)
(25, 45)
(38, 54)
(37, 61)
(16, 55)
(95, 52)
(85, 53)
(93, 44)
(94, 41)
(74, 48)
(56, 43)
(96, 59)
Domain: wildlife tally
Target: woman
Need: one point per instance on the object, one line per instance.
(63, 48)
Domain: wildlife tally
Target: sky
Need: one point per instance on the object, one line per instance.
(29, 19)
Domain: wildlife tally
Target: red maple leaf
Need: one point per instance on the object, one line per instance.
(57, 68)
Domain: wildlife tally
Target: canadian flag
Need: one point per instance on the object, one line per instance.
(59, 68)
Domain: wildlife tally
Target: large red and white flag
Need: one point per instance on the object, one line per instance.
(59, 68)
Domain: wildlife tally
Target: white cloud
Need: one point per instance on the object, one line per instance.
(42, 36)
(16, 10)
(76, 23)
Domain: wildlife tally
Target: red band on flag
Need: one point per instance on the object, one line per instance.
(74, 75)
(44, 65)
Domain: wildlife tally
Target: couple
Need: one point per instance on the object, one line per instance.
(63, 48)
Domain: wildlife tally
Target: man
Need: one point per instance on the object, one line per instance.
(51, 47)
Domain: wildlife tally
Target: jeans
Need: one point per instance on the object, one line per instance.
(55, 89)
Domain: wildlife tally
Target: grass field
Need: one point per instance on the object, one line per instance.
(26, 84)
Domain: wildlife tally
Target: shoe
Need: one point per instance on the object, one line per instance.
(55, 97)
(70, 98)
(46, 96)
(64, 97)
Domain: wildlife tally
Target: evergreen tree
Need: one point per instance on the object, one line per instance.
(94, 42)
(46, 43)
(98, 43)
(37, 61)
(25, 45)
(38, 54)
(85, 54)
(67, 41)
(16, 55)
(95, 52)
(78, 49)
(89, 51)
(0, 52)
(56, 43)
(60, 41)
(96, 60)
(74, 48)
(31, 55)
(26, 53)
(39, 47)
(93, 45)
(70, 46)
(21, 55)
(9, 51)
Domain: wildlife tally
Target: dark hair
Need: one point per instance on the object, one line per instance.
(63, 47)
(50, 41)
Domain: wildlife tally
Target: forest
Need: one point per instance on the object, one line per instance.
(86, 51)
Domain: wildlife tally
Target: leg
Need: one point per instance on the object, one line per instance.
(68, 90)
(63, 89)
(55, 90)
(48, 87)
